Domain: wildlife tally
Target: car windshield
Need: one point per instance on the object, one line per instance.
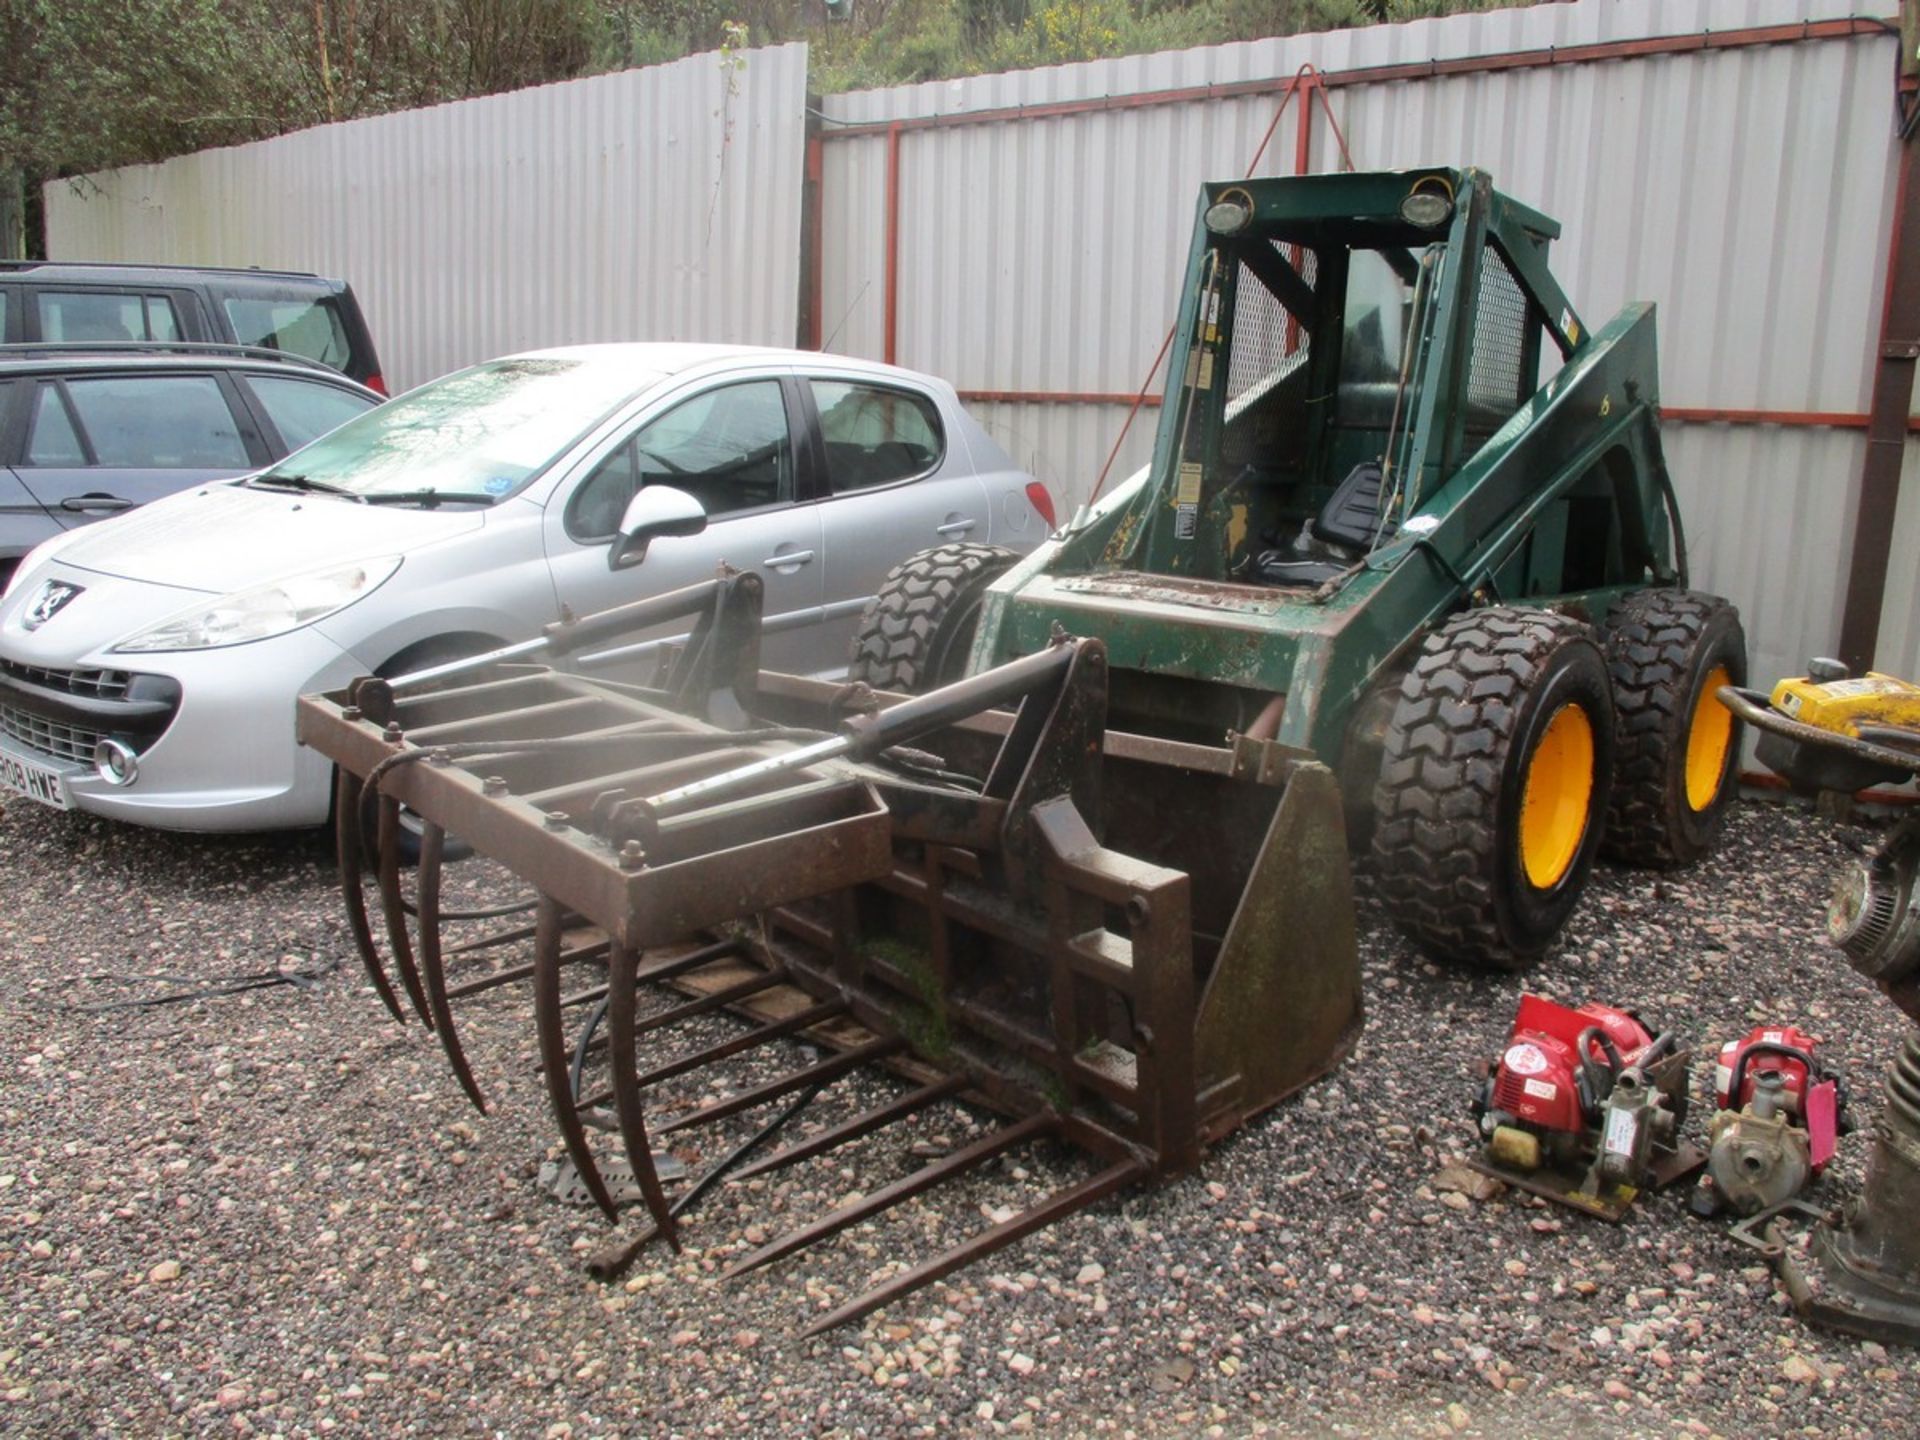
(480, 432)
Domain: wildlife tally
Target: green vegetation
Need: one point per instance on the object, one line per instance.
(925, 1024)
(89, 84)
(898, 41)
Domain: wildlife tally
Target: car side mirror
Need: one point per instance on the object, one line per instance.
(654, 511)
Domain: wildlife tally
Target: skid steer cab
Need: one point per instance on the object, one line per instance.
(1372, 532)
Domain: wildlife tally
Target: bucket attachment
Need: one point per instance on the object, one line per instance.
(979, 888)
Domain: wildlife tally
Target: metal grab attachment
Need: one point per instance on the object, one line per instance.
(979, 889)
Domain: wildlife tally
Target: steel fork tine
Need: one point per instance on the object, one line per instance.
(885, 1198)
(433, 845)
(346, 837)
(692, 960)
(549, 1019)
(487, 942)
(394, 905)
(719, 999)
(626, 1091)
(490, 982)
(862, 1124)
(759, 1095)
(760, 1035)
(1056, 1206)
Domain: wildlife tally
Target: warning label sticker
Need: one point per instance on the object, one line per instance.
(1186, 499)
(1188, 491)
(1524, 1059)
(1542, 1089)
(1620, 1132)
(1864, 685)
(1187, 502)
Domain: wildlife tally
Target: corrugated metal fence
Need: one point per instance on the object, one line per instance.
(1732, 161)
(1022, 234)
(661, 203)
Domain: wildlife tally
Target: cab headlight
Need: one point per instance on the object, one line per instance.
(265, 610)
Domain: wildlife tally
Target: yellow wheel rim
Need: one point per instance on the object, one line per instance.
(1708, 738)
(1558, 797)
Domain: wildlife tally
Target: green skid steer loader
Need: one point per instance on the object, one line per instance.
(1370, 533)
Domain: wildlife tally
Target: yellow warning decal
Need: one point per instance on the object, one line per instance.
(1188, 492)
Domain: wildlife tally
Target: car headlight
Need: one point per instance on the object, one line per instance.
(265, 610)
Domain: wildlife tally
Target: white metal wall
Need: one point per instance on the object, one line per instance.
(651, 204)
(1747, 191)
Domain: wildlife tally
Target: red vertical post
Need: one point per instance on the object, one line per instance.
(1896, 353)
(1303, 87)
(891, 346)
(813, 296)
(1302, 97)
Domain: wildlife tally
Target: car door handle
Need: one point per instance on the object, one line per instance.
(792, 560)
(956, 527)
(96, 504)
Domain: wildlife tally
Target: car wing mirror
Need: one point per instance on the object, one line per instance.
(654, 511)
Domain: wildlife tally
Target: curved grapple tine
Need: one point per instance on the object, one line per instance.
(626, 1089)
(394, 905)
(550, 1019)
(346, 835)
(433, 845)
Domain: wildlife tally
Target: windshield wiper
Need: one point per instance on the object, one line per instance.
(429, 498)
(302, 483)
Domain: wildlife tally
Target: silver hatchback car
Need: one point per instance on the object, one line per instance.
(149, 665)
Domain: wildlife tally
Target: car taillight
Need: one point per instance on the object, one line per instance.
(378, 384)
(1041, 501)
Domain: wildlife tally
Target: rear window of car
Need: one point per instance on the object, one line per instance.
(52, 439)
(303, 410)
(874, 435)
(163, 422)
(308, 327)
(94, 316)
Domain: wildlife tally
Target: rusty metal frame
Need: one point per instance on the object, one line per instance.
(956, 911)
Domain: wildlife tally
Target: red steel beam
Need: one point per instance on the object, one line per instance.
(891, 343)
(1889, 422)
(1847, 28)
(814, 244)
(1816, 419)
(1303, 137)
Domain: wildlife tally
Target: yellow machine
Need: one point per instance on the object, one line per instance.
(1849, 706)
(1860, 1270)
(1833, 731)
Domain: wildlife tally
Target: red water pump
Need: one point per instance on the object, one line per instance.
(1584, 1106)
(1776, 1118)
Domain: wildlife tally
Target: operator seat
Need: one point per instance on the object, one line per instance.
(1345, 528)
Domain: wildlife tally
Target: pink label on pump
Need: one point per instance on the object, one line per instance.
(1823, 1122)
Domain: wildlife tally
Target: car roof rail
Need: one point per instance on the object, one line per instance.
(212, 348)
(21, 265)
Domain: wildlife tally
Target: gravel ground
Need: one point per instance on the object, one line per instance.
(273, 1212)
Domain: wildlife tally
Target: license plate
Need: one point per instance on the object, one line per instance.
(36, 782)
